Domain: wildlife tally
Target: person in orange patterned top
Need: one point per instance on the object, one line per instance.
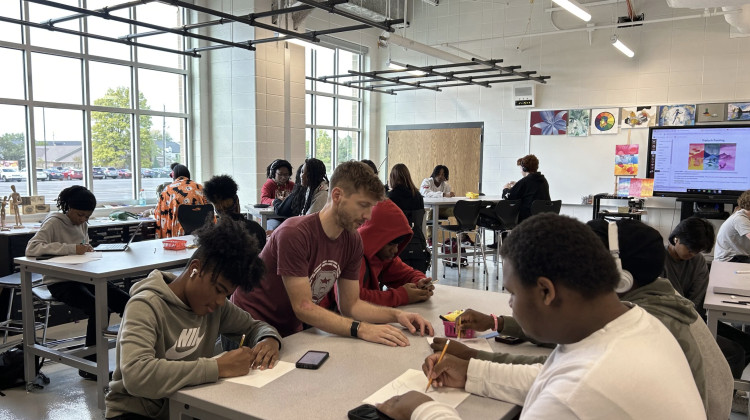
(182, 191)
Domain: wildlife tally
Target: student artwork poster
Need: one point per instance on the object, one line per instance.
(712, 156)
(578, 122)
(548, 123)
(626, 159)
(604, 121)
(738, 111)
(638, 117)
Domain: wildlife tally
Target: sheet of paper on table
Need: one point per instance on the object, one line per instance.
(480, 344)
(77, 259)
(415, 380)
(259, 378)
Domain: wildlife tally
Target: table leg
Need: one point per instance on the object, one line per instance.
(102, 347)
(29, 334)
(264, 221)
(712, 320)
(435, 243)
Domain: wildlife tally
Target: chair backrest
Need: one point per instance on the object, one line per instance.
(507, 211)
(546, 206)
(466, 213)
(416, 220)
(191, 217)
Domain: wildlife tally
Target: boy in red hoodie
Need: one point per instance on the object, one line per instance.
(384, 236)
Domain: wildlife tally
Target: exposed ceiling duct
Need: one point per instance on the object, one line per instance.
(375, 10)
(387, 38)
(739, 20)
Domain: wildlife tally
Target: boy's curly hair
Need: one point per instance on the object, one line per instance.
(76, 197)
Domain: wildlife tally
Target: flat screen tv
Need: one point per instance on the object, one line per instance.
(701, 162)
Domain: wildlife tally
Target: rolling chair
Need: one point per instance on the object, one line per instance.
(191, 217)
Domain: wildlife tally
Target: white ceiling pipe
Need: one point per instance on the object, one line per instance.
(422, 48)
(740, 19)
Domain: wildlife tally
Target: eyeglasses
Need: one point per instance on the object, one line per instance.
(283, 175)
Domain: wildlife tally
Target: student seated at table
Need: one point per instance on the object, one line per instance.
(278, 184)
(437, 186)
(613, 359)
(311, 196)
(532, 186)
(642, 254)
(169, 330)
(221, 191)
(283, 206)
(66, 233)
(182, 191)
(307, 255)
(383, 238)
(733, 240)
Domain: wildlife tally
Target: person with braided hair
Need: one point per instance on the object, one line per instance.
(66, 233)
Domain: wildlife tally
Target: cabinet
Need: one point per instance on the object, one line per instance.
(609, 215)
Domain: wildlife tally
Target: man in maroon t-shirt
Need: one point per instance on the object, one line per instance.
(307, 255)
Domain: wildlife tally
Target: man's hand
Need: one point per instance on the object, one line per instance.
(83, 248)
(413, 321)
(477, 321)
(265, 354)
(382, 334)
(416, 294)
(462, 351)
(401, 407)
(450, 372)
(235, 362)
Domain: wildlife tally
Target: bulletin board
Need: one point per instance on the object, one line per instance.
(578, 166)
(422, 147)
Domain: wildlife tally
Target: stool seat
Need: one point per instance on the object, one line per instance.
(14, 280)
(42, 293)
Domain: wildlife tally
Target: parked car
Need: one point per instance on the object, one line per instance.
(124, 173)
(98, 172)
(12, 175)
(111, 173)
(72, 173)
(53, 173)
(160, 173)
(146, 173)
(41, 174)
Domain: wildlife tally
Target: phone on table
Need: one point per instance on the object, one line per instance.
(367, 412)
(508, 339)
(312, 359)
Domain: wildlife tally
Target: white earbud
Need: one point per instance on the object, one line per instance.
(626, 278)
(194, 272)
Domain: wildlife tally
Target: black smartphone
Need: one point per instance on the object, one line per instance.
(312, 359)
(366, 412)
(46, 257)
(508, 339)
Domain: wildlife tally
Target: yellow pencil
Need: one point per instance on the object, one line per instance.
(242, 340)
(440, 359)
(458, 327)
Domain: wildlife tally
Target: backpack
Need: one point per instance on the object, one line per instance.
(11, 369)
(415, 254)
(450, 246)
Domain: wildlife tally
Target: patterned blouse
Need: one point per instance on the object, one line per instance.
(181, 191)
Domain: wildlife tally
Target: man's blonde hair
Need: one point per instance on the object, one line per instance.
(353, 176)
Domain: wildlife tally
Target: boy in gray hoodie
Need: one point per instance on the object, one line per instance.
(66, 233)
(171, 323)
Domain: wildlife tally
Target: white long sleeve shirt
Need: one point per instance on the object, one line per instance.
(428, 188)
(631, 369)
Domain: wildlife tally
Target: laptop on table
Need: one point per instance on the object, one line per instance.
(118, 247)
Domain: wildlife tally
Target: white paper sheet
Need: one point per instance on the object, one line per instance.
(476, 343)
(415, 380)
(260, 378)
(77, 259)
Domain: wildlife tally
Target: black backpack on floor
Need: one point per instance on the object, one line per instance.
(11, 369)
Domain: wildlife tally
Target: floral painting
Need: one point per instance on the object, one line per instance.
(548, 123)
(578, 122)
(738, 111)
(604, 121)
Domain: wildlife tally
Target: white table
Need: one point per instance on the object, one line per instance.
(723, 275)
(140, 259)
(354, 371)
(435, 204)
(262, 214)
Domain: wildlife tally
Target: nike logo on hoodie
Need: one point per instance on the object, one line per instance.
(186, 344)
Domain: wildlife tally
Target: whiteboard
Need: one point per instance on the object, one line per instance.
(578, 166)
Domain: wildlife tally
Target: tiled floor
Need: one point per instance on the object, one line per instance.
(68, 397)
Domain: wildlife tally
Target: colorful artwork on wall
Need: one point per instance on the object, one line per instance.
(638, 117)
(635, 187)
(712, 156)
(738, 111)
(578, 122)
(676, 115)
(710, 112)
(604, 121)
(626, 159)
(549, 123)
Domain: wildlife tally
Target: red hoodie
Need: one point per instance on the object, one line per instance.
(386, 224)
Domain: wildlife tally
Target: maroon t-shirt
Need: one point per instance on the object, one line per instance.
(300, 248)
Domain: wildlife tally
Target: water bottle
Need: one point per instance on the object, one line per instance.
(142, 198)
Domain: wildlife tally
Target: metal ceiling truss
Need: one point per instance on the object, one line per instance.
(428, 77)
(185, 30)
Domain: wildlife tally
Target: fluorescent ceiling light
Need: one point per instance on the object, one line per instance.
(300, 42)
(573, 7)
(399, 66)
(622, 47)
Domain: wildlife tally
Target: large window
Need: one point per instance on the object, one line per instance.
(75, 110)
(333, 113)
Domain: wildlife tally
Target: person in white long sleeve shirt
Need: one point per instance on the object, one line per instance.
(437, 186)
(613, 360)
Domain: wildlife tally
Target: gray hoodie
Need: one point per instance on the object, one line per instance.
(163, 346)
(710, 369)
(57, 236)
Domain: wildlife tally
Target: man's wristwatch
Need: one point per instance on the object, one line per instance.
(354, 330)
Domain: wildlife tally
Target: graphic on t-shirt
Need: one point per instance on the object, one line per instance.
(712, 156)
(186, 344)
(323, 278)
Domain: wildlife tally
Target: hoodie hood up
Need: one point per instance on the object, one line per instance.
(387, 223)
